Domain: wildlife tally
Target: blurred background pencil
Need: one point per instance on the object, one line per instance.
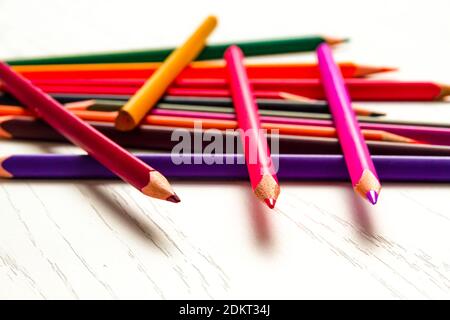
(185, 119)
(208, 70)
(359, 89)
(213, 51)
(151, 91)
(151, 137)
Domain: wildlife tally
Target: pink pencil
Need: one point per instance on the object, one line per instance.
(359, 164)
(257, 154)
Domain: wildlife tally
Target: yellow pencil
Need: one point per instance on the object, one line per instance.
(146, 97)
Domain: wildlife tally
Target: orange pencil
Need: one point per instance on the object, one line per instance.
(187, 122)
(153, 89)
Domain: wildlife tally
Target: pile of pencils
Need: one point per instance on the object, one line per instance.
(108, 101)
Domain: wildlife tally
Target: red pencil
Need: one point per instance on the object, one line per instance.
(257, 154)
(361, 90)
(111, 155)
(194, 70)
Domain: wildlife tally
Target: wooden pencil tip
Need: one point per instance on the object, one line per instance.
(296, 97)
(80, 105)
(366, 112)
(124, 121)
(270, 202)
(362, 71)
(158, 187)
(3, 172)
(268, 189)
(387, 136)
(445, 91)
(334, 41)
(4, 134)
(368, 186)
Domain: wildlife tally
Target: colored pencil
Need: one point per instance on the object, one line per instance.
(356, 153)
(294, 109)
(313, 106)
(153, 89)
(360, 90)
(432, 133)
(223, 124)
(160, 138)
(227, 167)
(110, 154)
(210, 52)
(261, 171)
(75, 73)
(305, 104)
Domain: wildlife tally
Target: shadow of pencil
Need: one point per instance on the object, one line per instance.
(361, 216)
(134, 220)
(258, 215)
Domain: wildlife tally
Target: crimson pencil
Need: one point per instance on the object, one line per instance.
(257, 154)
(110, 154)
(359, 89)
(356, 153)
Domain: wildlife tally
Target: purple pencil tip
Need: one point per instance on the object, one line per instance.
(372, 196)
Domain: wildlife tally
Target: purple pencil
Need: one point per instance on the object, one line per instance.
(356, 153)
(227, 167)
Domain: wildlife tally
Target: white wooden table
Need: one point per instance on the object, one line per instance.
(100, 239)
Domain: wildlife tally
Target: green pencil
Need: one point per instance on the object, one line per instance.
(211, 52)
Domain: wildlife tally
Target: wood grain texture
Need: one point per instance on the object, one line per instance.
(104, 240)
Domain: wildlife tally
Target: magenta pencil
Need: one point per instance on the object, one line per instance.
(256, 151)
(111, 155)
(356, 153)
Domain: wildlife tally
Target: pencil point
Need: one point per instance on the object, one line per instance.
(4, 134)
(173, 198)
(267, 190)
(362, 71)
(334, 41)
(377, 114)
(372, 196)
(158, 187)
(3, 172)
(445, 92)
(368, 186)
(270, 202)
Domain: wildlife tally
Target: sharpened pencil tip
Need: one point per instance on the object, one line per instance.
(173, 198)
(372, 196)
(270, 202)
(334, 41)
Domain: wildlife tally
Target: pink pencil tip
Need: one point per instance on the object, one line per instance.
(372, 196)
(270, 202)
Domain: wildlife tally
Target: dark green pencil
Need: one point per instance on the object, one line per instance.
(211, 52)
